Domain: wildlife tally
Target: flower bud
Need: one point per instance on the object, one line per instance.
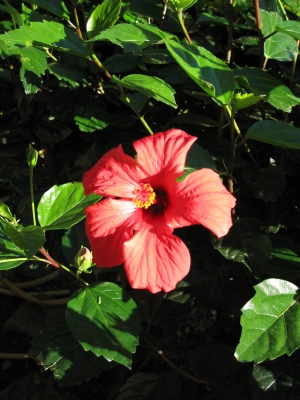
(32, 156)
(83, 259)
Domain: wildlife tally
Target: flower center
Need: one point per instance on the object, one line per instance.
(144, 195)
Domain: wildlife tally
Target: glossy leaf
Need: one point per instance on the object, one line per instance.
(28, 238)
(56, 7)
(105, 320)
(291, 28)
(285, 247)
(47, 34)
(56, 348)
(208, 71)
(262, 83)
(10, 255)
(277, 133)
(280, 47)
(267, 183)
(269, 322)
(150, 86)
(63, 206)
(131, 37)
(103, 16)
(245, 244)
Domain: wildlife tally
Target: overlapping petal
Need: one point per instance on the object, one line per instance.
(201, 198)
(109, 224)
(164, 151)
(115, 175)
(156, 260)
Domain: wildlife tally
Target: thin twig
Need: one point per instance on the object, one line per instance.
(172, 365)
(230, 30)
(56, 293)
(259, 33)
(36, 282)
(19, 292)
(14, 356)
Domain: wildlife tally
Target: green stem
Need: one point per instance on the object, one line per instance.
(237, 129)
(32, 195)
(186, 34)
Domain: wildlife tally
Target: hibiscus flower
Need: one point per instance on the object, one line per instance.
(145, 203)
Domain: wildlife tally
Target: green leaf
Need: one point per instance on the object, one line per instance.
(29, 238)
(269, 322)
(10, 255)
(151, 86)
(208, 71)
(269, 20)
(245, 100)
(245, 244)
(56, 348)
(131, 37)
(104, 16)
(280, 47)
(261, 83)
(34, 60)
(5, 211)
(119, 63)
(56, 7)
(180, 5)
(275, 132)
(63, 206)
(73, 239)
(108, 319)
(47, 34)
(92, 120)
(267, 183)
(72, 74)
(291, 28)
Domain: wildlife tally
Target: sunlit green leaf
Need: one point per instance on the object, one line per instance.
(28, 238)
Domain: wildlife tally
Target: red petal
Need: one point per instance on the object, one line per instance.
(164, 150)
(109, 224)
(201, 198)
(115, 175)
(155, 260)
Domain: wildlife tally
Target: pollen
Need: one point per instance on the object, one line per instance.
(144, 195)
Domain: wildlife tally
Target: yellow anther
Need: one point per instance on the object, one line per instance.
(144, 195)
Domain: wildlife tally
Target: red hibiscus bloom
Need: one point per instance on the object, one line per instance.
(144, 204)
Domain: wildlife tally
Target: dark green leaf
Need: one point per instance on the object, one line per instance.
(143, 386)
(269, 322)
(104, 16)
(10, 255)
(195, 119)
(92, 120)
(244, 244)
(56, 348)
(31, 82)
(72, 74)
(121, 63)
(285, 247)
(56, 7)
(63, 206)
(208, 71)
(15, 15)
(108, 319)
(73, 239)
(5, 211)
(262, 83)
(283, 269)
(267, 183)
(28, 238)
(275, 132)
(150, 86)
